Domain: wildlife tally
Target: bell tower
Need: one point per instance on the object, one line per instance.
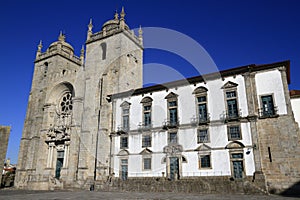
(114, 60)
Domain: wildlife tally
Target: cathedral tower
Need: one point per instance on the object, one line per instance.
(65, 141)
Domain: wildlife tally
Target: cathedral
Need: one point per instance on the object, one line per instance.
(89, 121)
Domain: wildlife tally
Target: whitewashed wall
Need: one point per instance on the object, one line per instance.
(296, 109)
(268, 83)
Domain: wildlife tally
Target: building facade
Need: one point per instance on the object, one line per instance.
(238, 123)
(4, 136)
(89, 120)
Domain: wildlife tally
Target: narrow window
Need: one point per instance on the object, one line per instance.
(270, 155)
(147, 115)
(124, 142)
(202, 136)
(147, 163)
(232, 107)
(125, 121)
(172, 118)
(103, 46)
(234, 133)
(147, 107)
(124, 169)
(146, 141)
(202, 109)
(173, 113)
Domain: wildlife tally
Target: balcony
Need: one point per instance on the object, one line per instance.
(268, 112)
(233, 116)
(200, 120)
(144, 127)
(122, 130)
(170, 124)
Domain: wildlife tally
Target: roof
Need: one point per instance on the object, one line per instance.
(206, 77)
(295, 93)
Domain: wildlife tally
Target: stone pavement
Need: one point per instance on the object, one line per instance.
(57, 195)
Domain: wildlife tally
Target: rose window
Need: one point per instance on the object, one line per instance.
(66, 104)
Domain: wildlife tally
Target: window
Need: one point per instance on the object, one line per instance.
(202, 108)
(147, 104)
(125, 120)
(146, 141)
(66, 103)
(234, 133)
(173, 137)
(237, 165)
(204, 161)
(173, 112)
(202, 136)
(103, 46)
(268, 108)
(146, 163)
(124, 169)
(147, 115)
(125, 116)
(232, 106)
(124, 142)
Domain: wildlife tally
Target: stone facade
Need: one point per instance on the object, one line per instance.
(65, 140)
(89, 123)
(4, 136)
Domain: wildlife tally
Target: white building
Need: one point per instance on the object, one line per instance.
(195, 127)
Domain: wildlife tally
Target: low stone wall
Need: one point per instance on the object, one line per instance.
(201, 185)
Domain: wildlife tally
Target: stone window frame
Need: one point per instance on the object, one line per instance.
(169, 137)
(201, 155)
(201, 92)
(120, 165)
(237, 151)
(231, 87)
(207, 133)
(122, 146)
(68, 102)
(274, 105)
(146, 101)
(125, 106)
(172, 97)
(229, 134)
(143, 140)
(148, 157)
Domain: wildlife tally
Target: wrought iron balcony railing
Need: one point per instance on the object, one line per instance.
(170, 124)
(144, 127)
(200, 120)
(268, 112)
(122, 130)
(233, 116)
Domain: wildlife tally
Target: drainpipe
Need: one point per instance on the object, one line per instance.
(110, 136)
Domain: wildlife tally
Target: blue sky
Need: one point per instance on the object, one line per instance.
(234, 33)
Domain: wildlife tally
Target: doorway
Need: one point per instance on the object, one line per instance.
(59, 163)
(174, 168)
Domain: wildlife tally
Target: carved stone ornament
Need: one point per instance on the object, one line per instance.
(173, 149)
